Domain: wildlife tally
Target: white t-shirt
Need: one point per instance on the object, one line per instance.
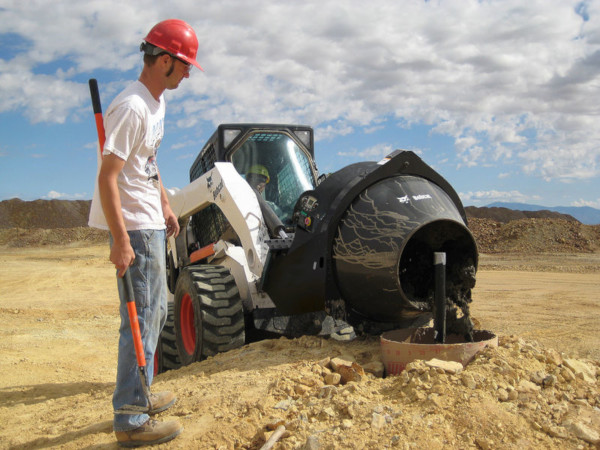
(134, 127)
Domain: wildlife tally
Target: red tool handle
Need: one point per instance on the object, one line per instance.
(97, 107)
(133, 319)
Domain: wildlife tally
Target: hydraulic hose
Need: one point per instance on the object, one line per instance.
(274, 224)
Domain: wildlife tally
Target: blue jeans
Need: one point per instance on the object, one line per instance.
(148, 276)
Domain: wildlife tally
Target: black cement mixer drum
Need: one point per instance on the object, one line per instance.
(384, 245)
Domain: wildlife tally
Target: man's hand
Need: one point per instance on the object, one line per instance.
(171, 221)
(170, 218)
(122, 256)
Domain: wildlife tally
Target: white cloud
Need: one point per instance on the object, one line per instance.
(512, 82)
(590, 203)
(184, 144)
(185, 156)
(42, 98)
(375, 152)
(479, 197)
(328, 131)
(54, 195)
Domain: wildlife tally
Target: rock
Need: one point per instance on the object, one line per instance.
(327, 392)
(348, 370)
(312, 443)
(301, 389)
(468, 381)
(332, 379)
(438, 388)
(584, 433)
(485, 443)
(553, 357)
(503, 395)
(434, 401)
(417, 366)
(551, 430)
(350, 373)
(375, 367)
(538, 377)
(284, 404)
(329, 412)
(378, 421)
(549, 380)
(324, 362)
(567, 374)
(527, 386)
(334, 363)
(451, 367)
(587, 372)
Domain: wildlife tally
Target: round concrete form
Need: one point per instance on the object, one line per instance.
(400, 347)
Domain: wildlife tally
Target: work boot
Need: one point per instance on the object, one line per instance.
(151, 433)
(161, 401)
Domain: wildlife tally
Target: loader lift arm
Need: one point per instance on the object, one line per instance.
(223, 186)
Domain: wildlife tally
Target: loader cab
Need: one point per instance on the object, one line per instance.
(286, 152)
(276, 165)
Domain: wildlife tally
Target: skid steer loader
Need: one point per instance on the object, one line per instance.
(268, 245)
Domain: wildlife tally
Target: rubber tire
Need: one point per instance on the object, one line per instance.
(209, 316)
(158, 358)
(168, 356)
(172, 273)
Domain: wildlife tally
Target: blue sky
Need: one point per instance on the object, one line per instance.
(500, 97)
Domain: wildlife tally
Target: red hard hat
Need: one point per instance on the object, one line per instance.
(177, 38)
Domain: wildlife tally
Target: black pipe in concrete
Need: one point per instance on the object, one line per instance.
(439, 305)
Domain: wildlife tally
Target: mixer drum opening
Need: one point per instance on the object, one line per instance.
(415, 270)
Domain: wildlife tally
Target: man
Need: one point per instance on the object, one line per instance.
(258, 177)
(131, 202)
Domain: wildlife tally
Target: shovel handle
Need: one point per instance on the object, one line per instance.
(97, 108)
(133, 318)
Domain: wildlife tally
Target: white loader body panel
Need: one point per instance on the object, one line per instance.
(226, 188)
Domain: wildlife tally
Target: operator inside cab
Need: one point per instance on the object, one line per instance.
(258, 177)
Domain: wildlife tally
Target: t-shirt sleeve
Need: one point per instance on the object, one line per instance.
(123, 128)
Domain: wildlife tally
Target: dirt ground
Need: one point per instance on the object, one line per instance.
(539, 389)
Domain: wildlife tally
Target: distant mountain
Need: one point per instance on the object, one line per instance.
(585, 214)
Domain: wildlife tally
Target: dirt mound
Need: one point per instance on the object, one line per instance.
(33, 237)
(16, 213)
(506, 215)
(535, 235)
(47, 222)
(519, 395)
